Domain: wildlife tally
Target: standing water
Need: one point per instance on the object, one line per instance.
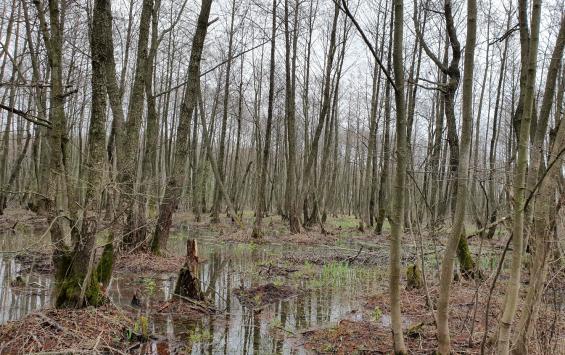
(325, 295)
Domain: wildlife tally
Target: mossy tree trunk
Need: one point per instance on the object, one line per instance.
(77, 278)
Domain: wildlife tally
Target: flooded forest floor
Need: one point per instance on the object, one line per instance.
(311, 292)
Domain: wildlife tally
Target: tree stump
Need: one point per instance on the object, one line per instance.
(188, 284)
(414, 277)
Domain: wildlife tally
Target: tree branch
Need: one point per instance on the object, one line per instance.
(424, 45)
(26, 116)
(345, 9)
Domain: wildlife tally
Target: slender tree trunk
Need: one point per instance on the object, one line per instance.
(493, 205)
(290, 57)
(174, 180)
(544, 210)
(128, 151)
(222, 147)
(513, 285)
(323, 117)
(260, 204)
(385, 170)
(462, 177)
(397, 212)
(147, 186)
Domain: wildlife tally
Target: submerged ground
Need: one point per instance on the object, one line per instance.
(312, 292)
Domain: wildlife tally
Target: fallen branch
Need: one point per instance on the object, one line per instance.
(488, 226)
(202, 305)
(350, 260)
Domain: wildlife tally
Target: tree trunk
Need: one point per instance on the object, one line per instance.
(397, 211)
(77, 278)
(222, 147)
(454, 245)
(188, 284)
(260, 204)
(128, 151)
(513, 285)
(290, 58)
(545, 206)
(174, 180)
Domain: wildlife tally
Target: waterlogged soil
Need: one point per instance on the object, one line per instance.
(309, 293)
(258, 300)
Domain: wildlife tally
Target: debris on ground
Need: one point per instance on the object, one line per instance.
(181, 307)
(148, 263)
(348, 337)
(260, 296)
(19, 220)
(67, 330)
(271, 270)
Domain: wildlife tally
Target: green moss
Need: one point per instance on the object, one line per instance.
(415, 330)
(104, 268)
(465, 259)
(68, 292)
(413, 277)
(68, 285)
(377, 314)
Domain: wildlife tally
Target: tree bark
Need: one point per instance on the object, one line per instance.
(173, 188)
(128, 151)
(397, 212)
(454, 243)
(290, 58)
(519, 190)
(544, 203)
(260, 204)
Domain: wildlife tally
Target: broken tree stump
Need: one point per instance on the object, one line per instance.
(414, 277)
(188, 284)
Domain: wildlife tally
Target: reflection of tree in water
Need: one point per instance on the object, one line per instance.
(212, 283)
(277, 342)
(256, 332)
(226, 292)
(16, 304)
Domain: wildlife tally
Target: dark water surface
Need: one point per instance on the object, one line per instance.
(327, 295)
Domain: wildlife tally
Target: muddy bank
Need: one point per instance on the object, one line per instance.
(368, 330)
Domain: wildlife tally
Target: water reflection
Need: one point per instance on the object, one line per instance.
(237, 330)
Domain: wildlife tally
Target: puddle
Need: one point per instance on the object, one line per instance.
(324, 299)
